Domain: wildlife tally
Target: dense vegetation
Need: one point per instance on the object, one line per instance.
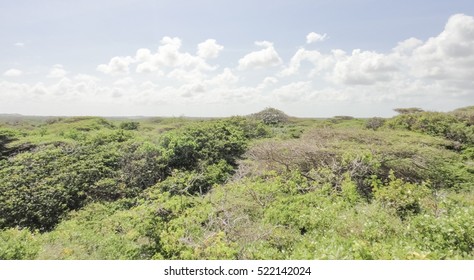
(266, 186)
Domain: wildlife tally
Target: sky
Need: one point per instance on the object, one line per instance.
(206, 58)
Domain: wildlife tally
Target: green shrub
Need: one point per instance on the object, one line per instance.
(129, 125)
(465, 114)
(374, 123)
(98, 232)
(401, 196)
(436, 124)
(39, 187)
(196, 182)
(271, 116)
(16, 244)
(6, 137)
(445, 237)
(206, 143)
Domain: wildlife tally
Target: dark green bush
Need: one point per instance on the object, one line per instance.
(203, 143)
(6, 136)
(130, 125)
(39, 187)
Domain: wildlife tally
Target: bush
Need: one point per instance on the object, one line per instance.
(252, 128)
(465, 114)
(203, 143)
(403, 197)
(16, 244)
(374, 123)
(271, 116)
(129, 125)
(445, 237)
(6, 137)
(196, 182)
(100, 232)
(404, 111)
(39, 187)
(435, 124)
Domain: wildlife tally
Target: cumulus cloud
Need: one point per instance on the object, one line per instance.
(450, 55)
(318, 60)
(57, 71)
(313, 37)
(266, 57)
(209, 49)
(293, 92)
(364, 68)
(117, 65)
(124, 82)
(223, 80)
(408, 46)
(86, 78)
(169, 57)
(267, 82)
(13, 73)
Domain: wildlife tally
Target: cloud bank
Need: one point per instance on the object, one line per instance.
(437, 71)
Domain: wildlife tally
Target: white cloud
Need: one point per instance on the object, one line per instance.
(313, 37)
(125, 82)
(169, 58)
(266, 57)
(408, 46)
(86, 78)
(223, 80)
(267, 82)
(19, 44)
(187, 76)
(364, 68)
(209, 49)
(117, 65)
(293, 92)
(318, 60)
(57, 71)
(39, 89)
(450, 55)
(13, 73)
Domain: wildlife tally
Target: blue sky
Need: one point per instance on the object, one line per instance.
(221, 58)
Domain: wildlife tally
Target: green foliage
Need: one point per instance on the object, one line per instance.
(237, 188)
(18, 244)
(205, 143)
(196, 182)
(39, 187)
(436, 124)
(251, 128)
(129, 125)
(465, 114)
(405, 198)
(405, 111)
(349, 191)
(100, 231)
(446, 237)
(6, 137)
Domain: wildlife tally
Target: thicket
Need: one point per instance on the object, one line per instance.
(238, 188)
